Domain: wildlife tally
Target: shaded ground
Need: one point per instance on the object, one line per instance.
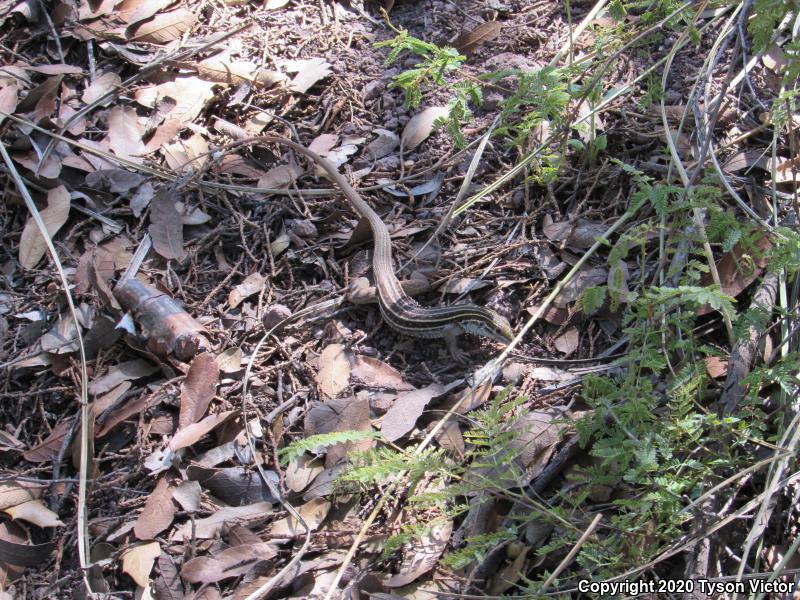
(175, 502)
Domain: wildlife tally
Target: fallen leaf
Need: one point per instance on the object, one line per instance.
(157, 513)
(231, 562)
(251, 285)
(209, 527)
(716, 366)
(226, 71)
(301, 471)
(141, 10)
(34, 512)
(382, 145)
(12, 552)
(420, 126)
(586, 278)
(125, 134)
(403, 415)
(138, 562)
(164, 27)
(163, 134)
(8, 101)
(32, 245)
(48, 449)
(567, 342)
(192, 433)
(102, 85)
(308, 71)
(279, 177)
(374, 372)
(340, 414)
(235, 486)
(190, 94)
(469, 42)
(126, 371)
(198, 390)
(230, 361)
(18, 492)
(166, 226)
(188, 494)
(334, 370)
(313, 513)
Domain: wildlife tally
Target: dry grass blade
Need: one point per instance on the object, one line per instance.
(83, 530)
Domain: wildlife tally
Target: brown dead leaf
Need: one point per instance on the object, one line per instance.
(313, 513)
(422, 555)
(538, 432)
(231, 562)
(198, 390)
(8, 101)
(190, 434)
(309, 71)
(48, 449)
(716, 366)
(236, 486)
(14, 549)
(188, 495)
(279, 177)
(34, 512)
(334, 370)
(301, 471)
(567, 342)
(420, 126)
(32, 245)
(166, 226)
(138, 562)
(18, 492)
(163, 134)
(102, 85)
(230, 361)
(125, 133)
(374, 372)
(383, 145)
(190, 95)
(167, 585)
(409, 406)
(738, 269)
(157, 513)
(586, 278)
(209, 527)
(252, 284)
(164, 27)
(132, 12)
(485, 32)
(340, 414)
(126, 371)
(41, 100)
(227, 71)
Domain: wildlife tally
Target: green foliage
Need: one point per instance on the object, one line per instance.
(785, 252)
(539, 96)
(767, 15)
(435, 63)
(592, 299)
(317, 444)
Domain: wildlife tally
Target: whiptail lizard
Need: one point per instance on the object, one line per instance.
(402, 313)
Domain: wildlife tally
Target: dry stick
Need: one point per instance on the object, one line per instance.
(573, 551)
(83, 529)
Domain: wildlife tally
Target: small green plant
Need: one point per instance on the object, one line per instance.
(435, 63)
